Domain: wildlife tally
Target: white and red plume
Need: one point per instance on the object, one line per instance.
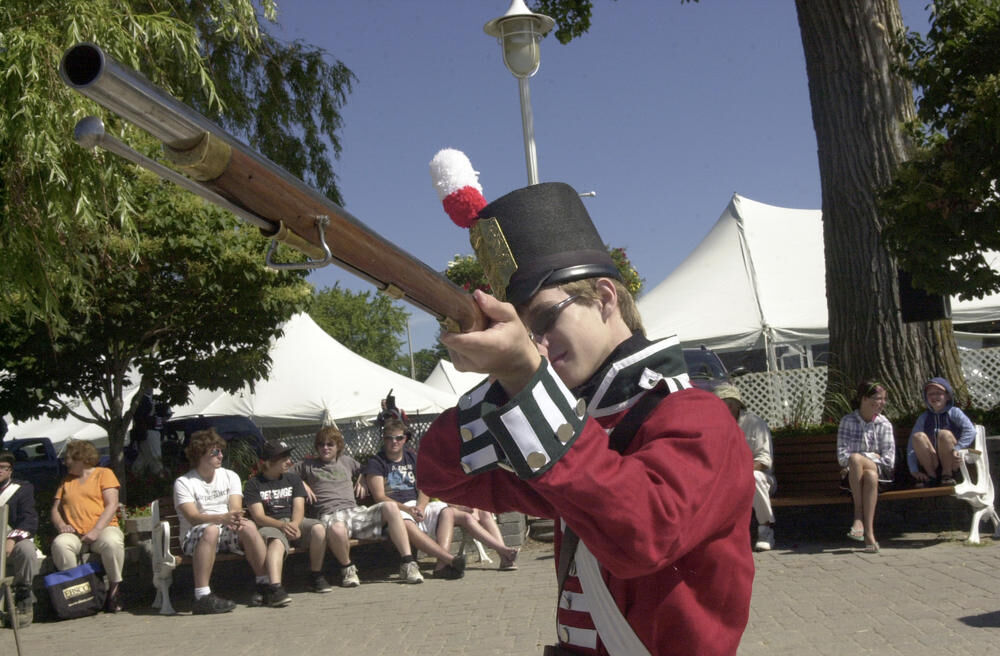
(457, 185)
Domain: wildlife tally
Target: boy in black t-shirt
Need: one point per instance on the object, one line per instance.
(276, 501)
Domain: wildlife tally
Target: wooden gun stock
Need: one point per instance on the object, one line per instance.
(248, 180)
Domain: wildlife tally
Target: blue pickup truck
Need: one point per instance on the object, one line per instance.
(36, 461)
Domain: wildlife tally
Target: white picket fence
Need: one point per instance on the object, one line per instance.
(795, 396)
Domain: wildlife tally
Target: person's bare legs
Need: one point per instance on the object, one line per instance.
(338, 542)
(274, 560)
(253, 547)
(317, 547)
(863, 477)
(204, 555)
(423, 542)
(493, 539)
(927, 456)
(946, 444)
(394, 524)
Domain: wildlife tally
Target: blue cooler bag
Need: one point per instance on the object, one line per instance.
(77, 592)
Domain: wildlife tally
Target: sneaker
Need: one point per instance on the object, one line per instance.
(212, 605)
(765, 538)
(261, 595)
(318, 583)
(278, 597)
(449, 573)
(458, 563)
(349, 577)
(410, 572)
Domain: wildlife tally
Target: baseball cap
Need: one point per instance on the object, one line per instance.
(275, 449)
(728, 391)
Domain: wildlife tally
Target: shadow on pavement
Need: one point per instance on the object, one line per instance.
(984, 621)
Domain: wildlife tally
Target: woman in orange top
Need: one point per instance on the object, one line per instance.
(85, 514)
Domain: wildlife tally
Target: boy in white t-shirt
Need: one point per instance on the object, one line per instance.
(209, 502)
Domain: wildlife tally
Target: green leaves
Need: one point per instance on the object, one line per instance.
(942, 205)
(371, 325)
(214, 55)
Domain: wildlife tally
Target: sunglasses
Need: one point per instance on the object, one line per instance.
(395, 438)
(215, 452)
(542, 322)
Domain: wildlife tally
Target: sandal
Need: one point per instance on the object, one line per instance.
(508, 564)
(871, 548)
(857, 536)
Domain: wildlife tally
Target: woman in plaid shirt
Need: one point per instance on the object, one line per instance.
(866, 451)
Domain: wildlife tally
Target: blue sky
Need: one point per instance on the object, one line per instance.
(664, 109)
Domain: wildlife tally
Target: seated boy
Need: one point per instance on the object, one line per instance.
(276, 499)
(939, 433)
(327, 477)
(209, 502)
(392, 479)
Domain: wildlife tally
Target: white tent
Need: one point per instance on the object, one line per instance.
(314, 379)
(62, 430)
(447, 378)
(758, 280)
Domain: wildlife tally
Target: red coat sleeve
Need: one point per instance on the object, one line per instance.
(685, 479)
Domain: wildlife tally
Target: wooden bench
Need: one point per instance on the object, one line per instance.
(808, 475)
(167, 556)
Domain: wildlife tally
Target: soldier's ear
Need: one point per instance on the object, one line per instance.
(607, 295)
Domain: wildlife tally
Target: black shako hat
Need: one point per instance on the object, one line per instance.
(538, 236)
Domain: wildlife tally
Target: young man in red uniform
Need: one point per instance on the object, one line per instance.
(663, 564)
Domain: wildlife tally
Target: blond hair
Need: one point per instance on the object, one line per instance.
(587, 289)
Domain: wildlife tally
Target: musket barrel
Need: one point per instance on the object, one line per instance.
(88, 70)
(251, 181)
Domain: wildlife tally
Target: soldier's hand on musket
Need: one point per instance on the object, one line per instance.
(504, 349)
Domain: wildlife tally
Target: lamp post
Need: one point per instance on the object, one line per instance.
(519, 31)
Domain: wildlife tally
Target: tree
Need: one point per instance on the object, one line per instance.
(370, 325)
(860, 103)
(424, 361)
(214, 55)
(942, 206)
(189, 302)
(859, 106)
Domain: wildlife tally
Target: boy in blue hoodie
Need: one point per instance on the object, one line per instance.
(938, 435)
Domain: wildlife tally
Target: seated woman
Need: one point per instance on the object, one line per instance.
(866, 451)
(85, 514)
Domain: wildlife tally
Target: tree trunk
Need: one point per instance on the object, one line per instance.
(858, 106)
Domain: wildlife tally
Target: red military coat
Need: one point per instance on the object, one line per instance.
(667, 520)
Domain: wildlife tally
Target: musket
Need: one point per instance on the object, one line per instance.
(228, 173)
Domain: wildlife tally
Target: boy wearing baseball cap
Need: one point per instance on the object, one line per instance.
(276, 500)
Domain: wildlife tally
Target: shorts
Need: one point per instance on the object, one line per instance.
(362, 522)
(229, 540)
(431, 513)
(272, 533)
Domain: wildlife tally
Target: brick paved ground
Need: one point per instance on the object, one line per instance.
(924, 594)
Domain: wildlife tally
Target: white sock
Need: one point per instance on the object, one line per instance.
(202, 592)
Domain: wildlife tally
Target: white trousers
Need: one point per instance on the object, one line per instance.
(762, 497)
(68, 548)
